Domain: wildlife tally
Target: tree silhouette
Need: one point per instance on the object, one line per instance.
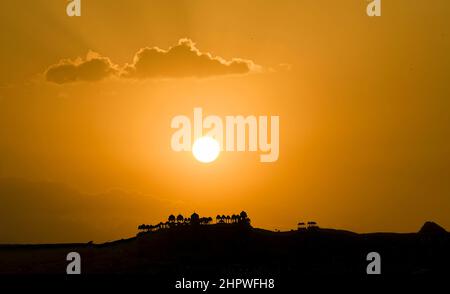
(301, 226)
(243, 218)
(312, 225)
(195, 219)
(146, 228)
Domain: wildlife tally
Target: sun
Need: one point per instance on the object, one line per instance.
(206, 149)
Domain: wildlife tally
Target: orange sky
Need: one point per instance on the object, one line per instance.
(363, 105)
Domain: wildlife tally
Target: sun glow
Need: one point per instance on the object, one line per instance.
(206, 149)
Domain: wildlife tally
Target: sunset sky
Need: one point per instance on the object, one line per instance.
(86, 105)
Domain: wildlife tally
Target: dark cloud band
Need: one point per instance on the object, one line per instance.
(93, 68)
(180, 61)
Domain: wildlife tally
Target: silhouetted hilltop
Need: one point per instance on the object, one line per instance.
(237, 249)
(432, 228)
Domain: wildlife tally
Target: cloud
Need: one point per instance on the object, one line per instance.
(48, 212)
(93, 68)
(180, 61)
(183, 60)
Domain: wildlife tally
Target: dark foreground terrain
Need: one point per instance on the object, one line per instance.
(236, 251)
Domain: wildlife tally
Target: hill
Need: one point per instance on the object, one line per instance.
(231, 250)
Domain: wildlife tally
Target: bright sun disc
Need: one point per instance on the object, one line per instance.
(206, 149)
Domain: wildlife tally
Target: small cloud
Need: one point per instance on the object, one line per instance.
(281, 67)
(284, 67)
(93, 68)
(183, 60)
